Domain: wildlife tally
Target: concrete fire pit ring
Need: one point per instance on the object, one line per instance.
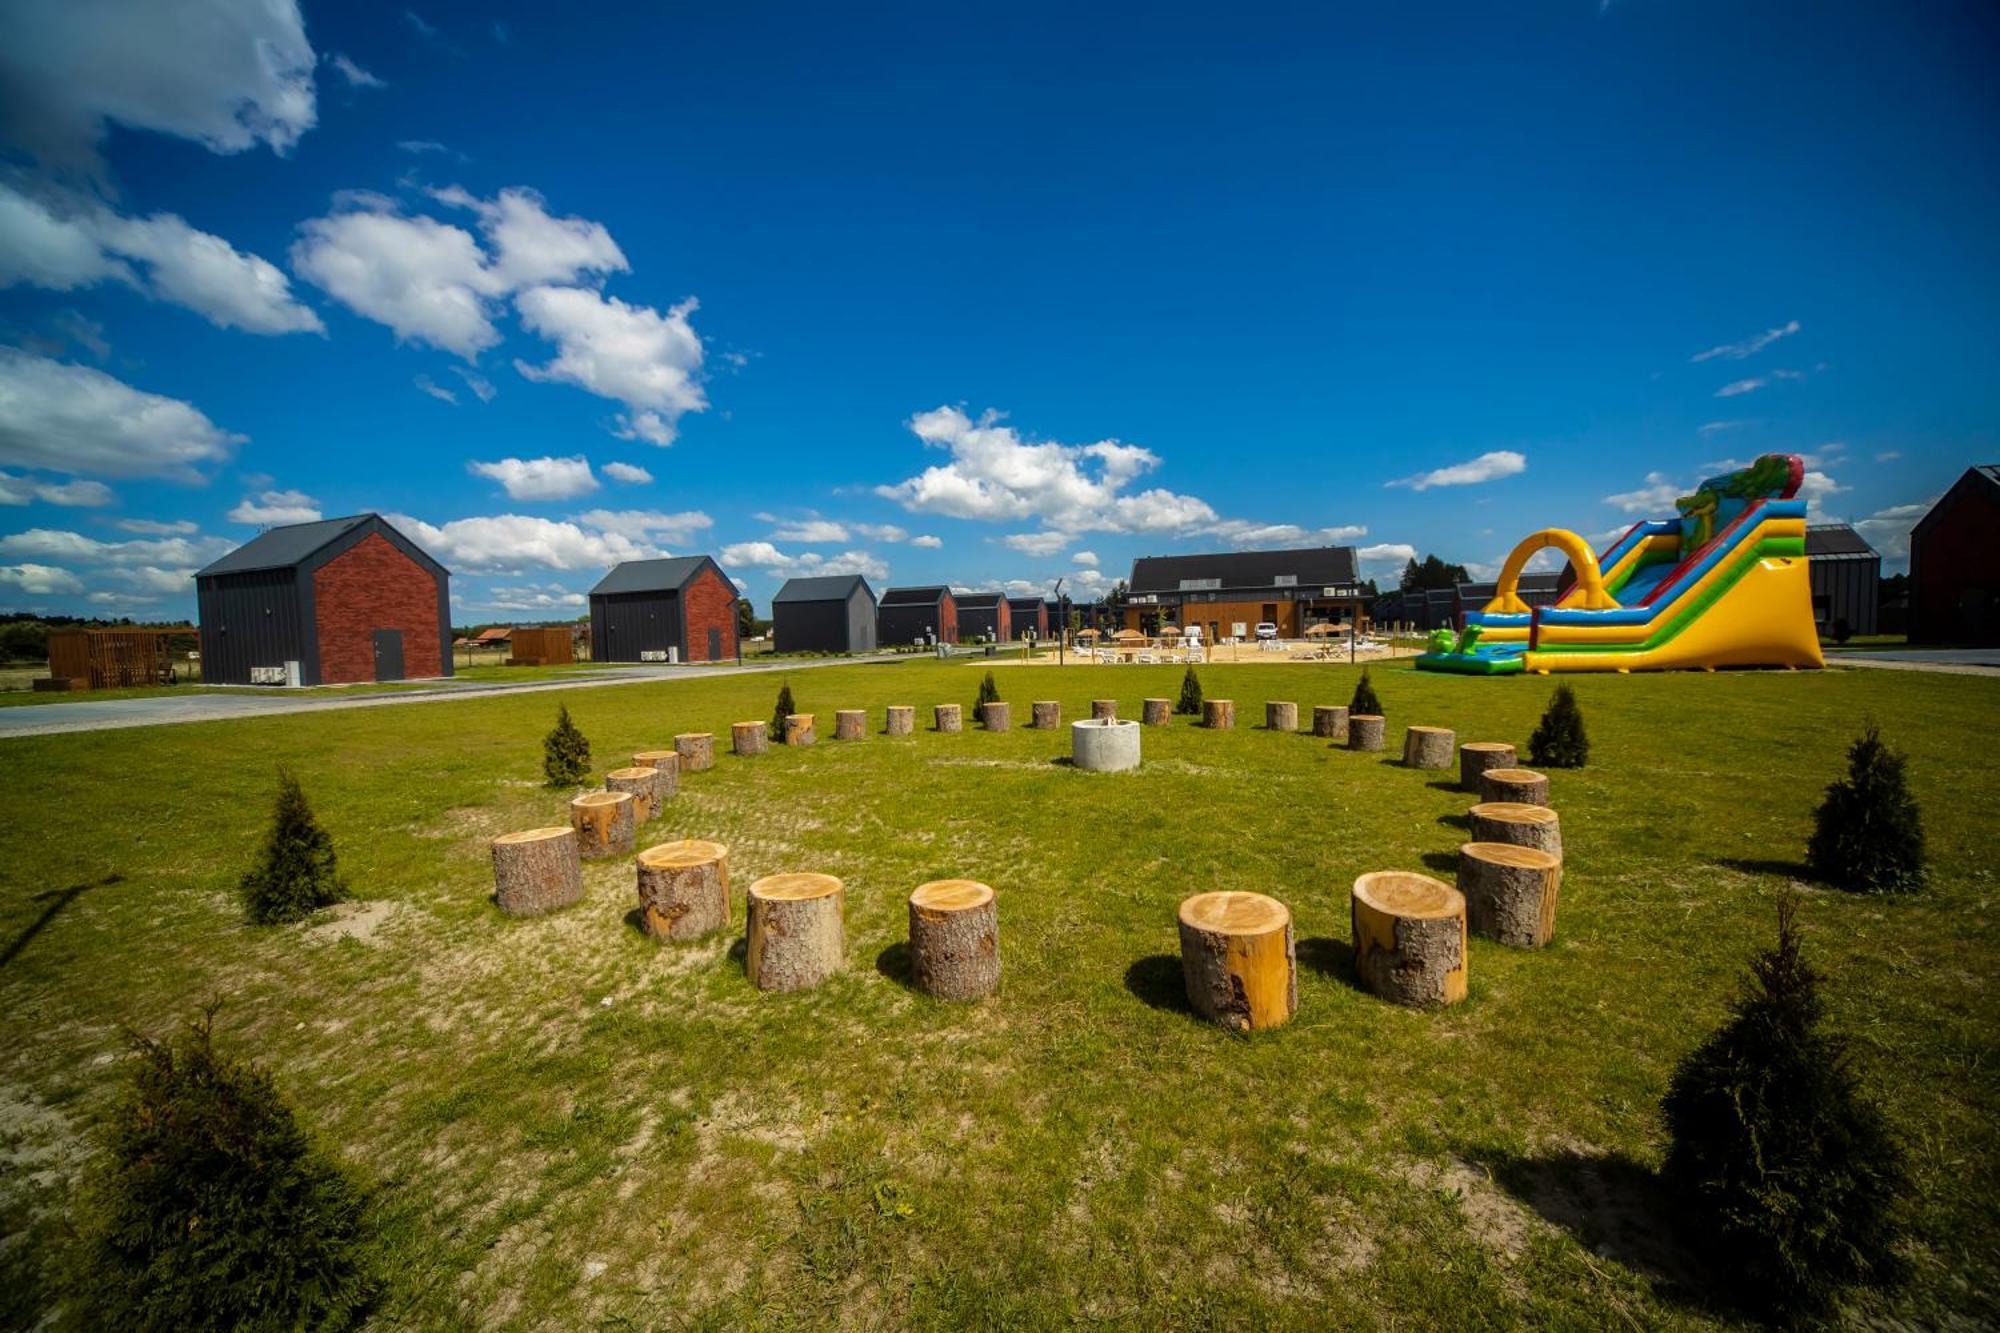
(1104, 744)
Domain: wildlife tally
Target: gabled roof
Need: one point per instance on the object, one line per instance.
(928, 595)
(1315, 566)
(669, 575)
(1029, 603)
(822, 588)
(495, 635)
(980, 601)
(299, 543)
(1835, 541)
(1984, 476)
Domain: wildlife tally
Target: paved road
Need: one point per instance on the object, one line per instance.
(1955, 661)
(168, 710)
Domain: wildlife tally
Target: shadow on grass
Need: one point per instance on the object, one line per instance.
(739, 949)
(894, 962)
(1157, 980)
(1463, 821)
(1063, 761)
(1444, 863)
(1616, 1207)
(56, 900)
(1449, 785)
(1750, 865)
(1328, 956)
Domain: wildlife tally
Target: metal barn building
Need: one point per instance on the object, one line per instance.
(907, 615)
(983, 615)
(1028, 617)
(681, 609)
(833, 613)
(1846, 577)
(345, 599)
(1955, 563)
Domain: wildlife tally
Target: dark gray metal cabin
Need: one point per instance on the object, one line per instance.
(1534, 589)
(833, 613)
(678, 609)
(348, 599)
(1846, 577)
(983, 615)
(910, 615)
(1028, 618)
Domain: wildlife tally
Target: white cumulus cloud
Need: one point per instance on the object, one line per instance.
(73, 419)
(1490, 466)
(804, 564)
(228, 74)
(1657, 496)
(927, 541)
(271, 509)
(40, 580)
(500, 542)
(810, 530)
(1038, 543)
(650, 525)
(629, 473)
(539, 478)
(426, 280)
(79, 494)
(630, 354)
(1085, 558)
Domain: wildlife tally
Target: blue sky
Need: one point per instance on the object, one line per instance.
(971, 294)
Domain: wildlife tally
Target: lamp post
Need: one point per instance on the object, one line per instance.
(1062, 631)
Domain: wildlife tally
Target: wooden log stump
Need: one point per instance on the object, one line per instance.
(1239, 959)
(749, 739)
(796, 936)
(1280, 716)
(850, 724)
(696, 749)
(801, 729)
(1365, 731)
(949, 717)
(604, 823)
(1476, 757)
(996, 716)
(901, 720)
(1428, 747)
(954, 939)
(1519, 785)
(1409, 938)
(536, 871)
(1521, 825)
(1330, 721)
(1218, 714)
(1104, 708)
(1047, 715)
(644, 784)
(1157, 712)
(1510, 891)
(683, 889)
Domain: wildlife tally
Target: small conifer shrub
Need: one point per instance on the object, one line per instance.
(989, 693)
(1868, 833)
(1364, 703)
(784, 710)
(1559, 740)
(565, 753)
(295, 874)
(1788, 1171)
(1190, 700)
(214, 1208)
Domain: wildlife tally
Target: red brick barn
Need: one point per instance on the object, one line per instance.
(681, 609)
(1955, 563)
(346, 599)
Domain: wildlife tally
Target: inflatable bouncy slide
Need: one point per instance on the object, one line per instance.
(1721, 585)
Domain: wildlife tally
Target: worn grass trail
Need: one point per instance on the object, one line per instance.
(572, 1125)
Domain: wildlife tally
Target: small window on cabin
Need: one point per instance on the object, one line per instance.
(1286, 581)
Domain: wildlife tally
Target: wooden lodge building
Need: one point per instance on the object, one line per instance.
(913, 615)
(681, 609)
(345, 599)
(984, 615)
(829, 613)
(1228, 594)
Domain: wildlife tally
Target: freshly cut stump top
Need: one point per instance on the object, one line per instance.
(1238, 959)
(1428, 747)
(604, 823)
(954, 939)
(1476, 757)
(1409, 938)
(684, 889)
(795, 886)
(1517, 822)
(1514, 784)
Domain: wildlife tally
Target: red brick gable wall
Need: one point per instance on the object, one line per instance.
(948, 619)
(1004, 621)
(372, 586)
(709, 602)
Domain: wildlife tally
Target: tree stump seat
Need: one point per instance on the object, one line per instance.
(1239, 959)
(536, 870)
(683, 889)
(796, 936)
(604, 823)
(954, 939)
(1409, 938)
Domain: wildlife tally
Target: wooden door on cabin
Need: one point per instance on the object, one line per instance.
(388, 654)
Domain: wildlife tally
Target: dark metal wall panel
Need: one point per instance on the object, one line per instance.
(860, 622)
(906, 624)
(1847, 590)
(809, 627)
(249, 619)
(625, 625)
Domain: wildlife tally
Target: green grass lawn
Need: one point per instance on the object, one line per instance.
(572, 1126)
